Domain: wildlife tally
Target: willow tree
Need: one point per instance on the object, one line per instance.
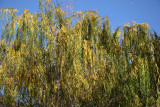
(49, 59)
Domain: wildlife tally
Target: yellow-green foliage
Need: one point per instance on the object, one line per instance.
(53, 59)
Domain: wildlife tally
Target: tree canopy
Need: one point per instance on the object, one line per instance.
(51, 58)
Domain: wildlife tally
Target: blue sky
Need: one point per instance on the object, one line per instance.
(120, 12)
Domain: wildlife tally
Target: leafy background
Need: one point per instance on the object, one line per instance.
(54, 58)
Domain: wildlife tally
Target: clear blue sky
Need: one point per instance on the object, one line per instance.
(120, 12)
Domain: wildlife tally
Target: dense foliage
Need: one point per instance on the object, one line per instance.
(53, 59)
